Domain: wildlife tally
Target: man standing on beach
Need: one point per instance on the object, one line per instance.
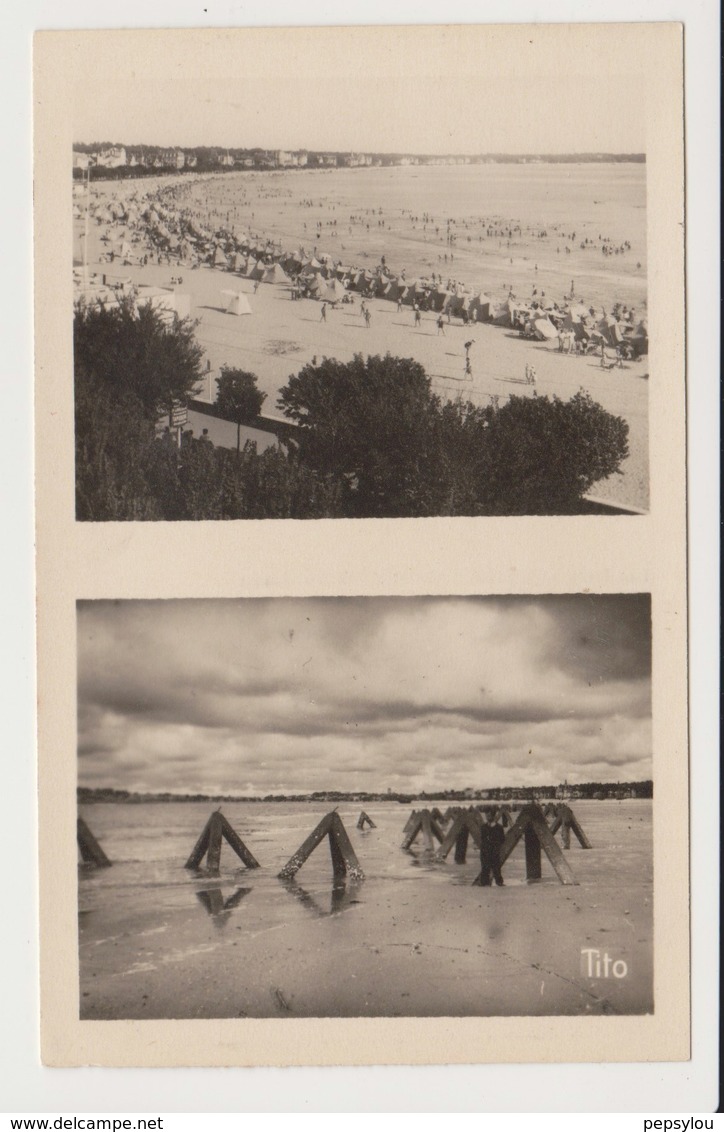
(492, 837)
(467, 349)
(323, 315)
(368, 318)
(441, 326)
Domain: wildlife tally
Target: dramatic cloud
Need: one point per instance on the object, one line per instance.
(363, 693)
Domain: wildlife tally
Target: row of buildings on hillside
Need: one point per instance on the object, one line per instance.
(115, 156)
(210, 158)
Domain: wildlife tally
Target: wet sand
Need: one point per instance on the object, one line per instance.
(282, 335)
(413, 939)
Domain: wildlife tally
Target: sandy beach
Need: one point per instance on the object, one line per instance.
(413, 939)
(282, 335)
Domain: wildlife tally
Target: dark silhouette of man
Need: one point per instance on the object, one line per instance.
(492, 836)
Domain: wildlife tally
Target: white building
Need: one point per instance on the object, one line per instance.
(112, 158)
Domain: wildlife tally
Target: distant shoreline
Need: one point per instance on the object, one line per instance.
(588, 790)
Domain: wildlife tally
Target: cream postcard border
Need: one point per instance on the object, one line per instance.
(434, 556)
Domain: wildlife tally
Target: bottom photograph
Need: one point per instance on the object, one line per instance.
(365, 807)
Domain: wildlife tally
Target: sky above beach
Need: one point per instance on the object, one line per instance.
(414, 90)
(292, 695)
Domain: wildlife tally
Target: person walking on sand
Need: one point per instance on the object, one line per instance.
(492, 836)
(323, 315)
(441, 326)
(418, 316)
(467, 348)
(368, 318)
(399, 303)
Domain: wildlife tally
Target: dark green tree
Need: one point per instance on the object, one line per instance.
(238, 398)
(138, 350)
(541, 455)
(397, 450)
(368, 422)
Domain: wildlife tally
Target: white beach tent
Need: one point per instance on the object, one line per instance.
(236, 302)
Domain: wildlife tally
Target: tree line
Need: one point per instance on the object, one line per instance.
(372, 440)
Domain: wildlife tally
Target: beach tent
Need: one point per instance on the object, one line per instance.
(457, 303)
(394, 291)
(336, 290)
(256, 271)
(318, 285)
(290, 261)
(611, 330)
(439, 297)
(481, 306)
(356, 281)
(544, 329)
(236, 302)
(574, 319)
(220, 259)
(639, 337)
(275, 274)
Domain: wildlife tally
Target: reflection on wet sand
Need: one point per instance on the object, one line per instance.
(342, 896)
(214, 903)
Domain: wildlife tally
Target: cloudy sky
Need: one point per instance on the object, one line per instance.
(438, 90)
(260, 696)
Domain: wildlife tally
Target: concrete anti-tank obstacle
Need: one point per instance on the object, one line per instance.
(421, 822)
(344, 858)
(466, 823)
(531, 825)
(410, 821)
(565, 820)
(90, 849)
(363, 820)
(209, 845)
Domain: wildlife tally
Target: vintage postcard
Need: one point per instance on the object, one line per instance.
(408, 783)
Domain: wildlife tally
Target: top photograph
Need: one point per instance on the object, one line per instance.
(359, 273)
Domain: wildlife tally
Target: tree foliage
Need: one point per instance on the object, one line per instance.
(398, 450)
(238, 398)
(372, 439)
(367, 422)
(137, 351)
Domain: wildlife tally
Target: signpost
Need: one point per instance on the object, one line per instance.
(178, 418)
